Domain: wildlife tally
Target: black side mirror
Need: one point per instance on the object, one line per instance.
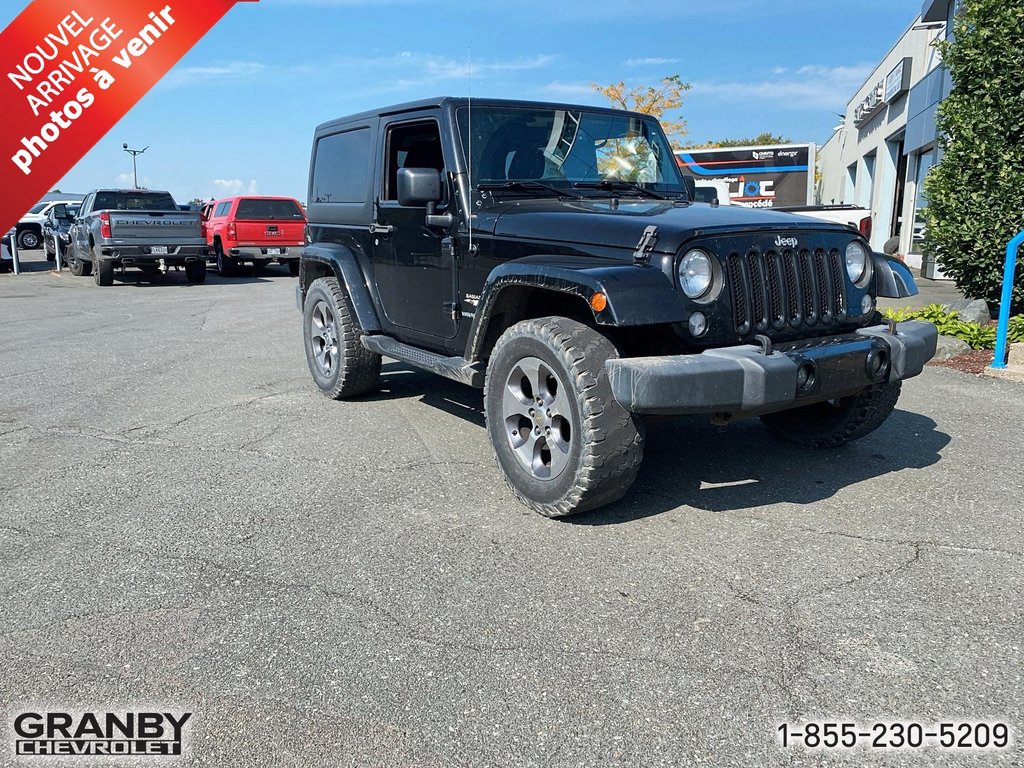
(419, 186)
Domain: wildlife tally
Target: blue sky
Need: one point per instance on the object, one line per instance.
(238, 112)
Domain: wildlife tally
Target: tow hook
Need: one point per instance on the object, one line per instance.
(766, 344)
(892, 326)
(163, 267)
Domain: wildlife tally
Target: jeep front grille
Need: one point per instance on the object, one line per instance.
(771, 290)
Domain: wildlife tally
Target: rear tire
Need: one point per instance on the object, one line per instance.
(562, 441)
(102, 271)
(833, 423)
(195, 271)
(78, 267)
(226, 266)
(341, 366)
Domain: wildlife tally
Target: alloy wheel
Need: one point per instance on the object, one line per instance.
(538, 418)
(324, 337)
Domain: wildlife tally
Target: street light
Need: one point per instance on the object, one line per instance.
(134, 153)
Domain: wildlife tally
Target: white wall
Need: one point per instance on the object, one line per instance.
(850, 145)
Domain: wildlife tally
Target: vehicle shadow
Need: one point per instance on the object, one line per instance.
(31, 261)
(690, 462)
(399, 381)
(176, 278)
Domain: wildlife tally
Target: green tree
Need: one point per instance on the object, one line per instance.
(761, 140)
(651, 100)
(976, 192)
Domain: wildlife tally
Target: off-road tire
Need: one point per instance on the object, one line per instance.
(102, 270)
(195, 271)
(293, 268)
(833, 423)
(226, 266)
(355, 370)
(607, 448)
(79, 267)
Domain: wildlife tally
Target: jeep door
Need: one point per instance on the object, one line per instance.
(413, 272)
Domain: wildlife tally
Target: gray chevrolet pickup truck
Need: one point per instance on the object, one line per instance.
(118, 228)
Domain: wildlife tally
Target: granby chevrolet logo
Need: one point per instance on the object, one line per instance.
(90, 733)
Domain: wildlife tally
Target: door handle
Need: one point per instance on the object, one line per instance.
(381, 229)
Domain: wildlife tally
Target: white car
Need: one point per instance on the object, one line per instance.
(6, 260)
(30, 228)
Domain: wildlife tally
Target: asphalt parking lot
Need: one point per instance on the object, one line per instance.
(186, 522)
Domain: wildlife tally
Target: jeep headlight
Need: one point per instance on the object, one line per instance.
(856, 262)
(696, 273)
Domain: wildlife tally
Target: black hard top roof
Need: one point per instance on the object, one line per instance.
(461, 101)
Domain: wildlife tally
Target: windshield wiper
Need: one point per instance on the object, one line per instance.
(613, 184)
(527, 186)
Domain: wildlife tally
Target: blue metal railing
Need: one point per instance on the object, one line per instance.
(999, 361)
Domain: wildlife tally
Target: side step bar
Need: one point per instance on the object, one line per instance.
(455, 368)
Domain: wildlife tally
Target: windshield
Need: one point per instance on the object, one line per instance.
(37, 208)
(562, 147)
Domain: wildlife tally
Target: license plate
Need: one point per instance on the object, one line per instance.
(159, 250)
(274, 251)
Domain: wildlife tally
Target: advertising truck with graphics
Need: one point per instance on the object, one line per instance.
(756, 177)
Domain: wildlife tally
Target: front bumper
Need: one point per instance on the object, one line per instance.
(745, 381)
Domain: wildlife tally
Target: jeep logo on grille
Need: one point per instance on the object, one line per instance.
(786, 242)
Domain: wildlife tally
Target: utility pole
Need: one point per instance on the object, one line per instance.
(134, 153)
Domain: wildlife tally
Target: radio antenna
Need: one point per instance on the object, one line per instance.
(469, 105)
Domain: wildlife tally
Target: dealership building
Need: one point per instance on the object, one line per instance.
(885, 144)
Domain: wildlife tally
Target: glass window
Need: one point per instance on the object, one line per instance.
(223, 208)
(38, 208)
(134, 201)
(925, 161)
(250, 209)
(341, 167)
(561, 145)
(416, 145)
(867, 182)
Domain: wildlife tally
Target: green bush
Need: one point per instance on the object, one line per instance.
(950, 324)
(976, 192)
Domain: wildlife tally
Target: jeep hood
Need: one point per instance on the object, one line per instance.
(601, 223)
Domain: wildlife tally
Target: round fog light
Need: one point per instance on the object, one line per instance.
(805, 377)
(877, 364)
(698, 324)
(866, 304)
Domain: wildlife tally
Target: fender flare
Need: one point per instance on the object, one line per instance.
(345, 266)
(893, 279)
(636, 295)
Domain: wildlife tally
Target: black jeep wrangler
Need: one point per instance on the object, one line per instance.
(553, 256)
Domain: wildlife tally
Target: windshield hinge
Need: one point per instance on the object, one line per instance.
(642, 254)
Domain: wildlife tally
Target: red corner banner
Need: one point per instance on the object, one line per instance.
(70, 69)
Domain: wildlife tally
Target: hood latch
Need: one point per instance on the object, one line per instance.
(642, 254)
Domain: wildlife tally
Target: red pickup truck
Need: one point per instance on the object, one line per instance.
(254, 229)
